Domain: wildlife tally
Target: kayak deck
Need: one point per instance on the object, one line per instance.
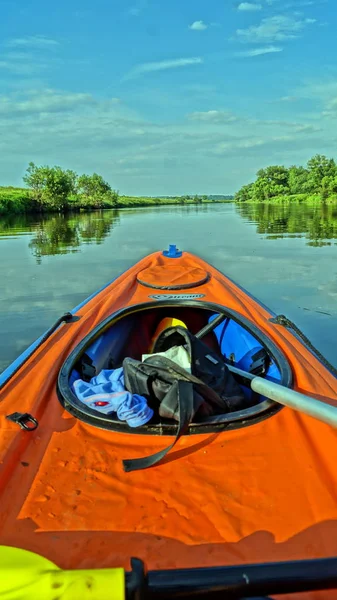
(261, 493)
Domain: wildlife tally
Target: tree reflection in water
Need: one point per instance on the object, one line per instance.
(318, 224)
(63, 234)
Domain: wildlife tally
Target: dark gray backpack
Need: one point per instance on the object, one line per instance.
(210, 388)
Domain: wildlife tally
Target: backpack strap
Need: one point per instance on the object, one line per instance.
(183, 390)
(164, 363)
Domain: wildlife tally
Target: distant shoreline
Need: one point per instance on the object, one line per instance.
(16, 201)
(20, 201)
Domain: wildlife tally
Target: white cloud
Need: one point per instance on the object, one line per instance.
(232, 145)
(47, 101)
(137, 8)
(273, 29)
(14, 55)
(32, 41)
(249, 6)
(198, 26)
(260, 51)
(134, 11)
(164, 65)
(288, 99)
(213, 116)
(21, 67)
(29, 60)
(139, 155)
(247, 143)
(203, 89)
(333, 104)
(27, 55)
(302, 3)
(322, 90)
(306, 128)
(331, 108)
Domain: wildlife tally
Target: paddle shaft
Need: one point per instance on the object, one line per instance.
(239, 582)
(300, 402)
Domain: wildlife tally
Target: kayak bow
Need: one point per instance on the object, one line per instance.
(254, 485)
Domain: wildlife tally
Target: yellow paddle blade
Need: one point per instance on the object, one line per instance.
(28, 576)
(12, 558)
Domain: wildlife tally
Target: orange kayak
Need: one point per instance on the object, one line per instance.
(257, 485)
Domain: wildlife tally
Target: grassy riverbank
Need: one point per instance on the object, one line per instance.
(15, 200)
(134, 201)
(308, 199)
(20, 200)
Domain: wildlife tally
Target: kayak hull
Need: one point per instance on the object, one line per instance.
(266, 492)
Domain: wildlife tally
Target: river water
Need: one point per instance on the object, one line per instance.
(285, 256)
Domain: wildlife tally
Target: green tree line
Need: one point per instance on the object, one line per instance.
(53, 189)
(315, 182)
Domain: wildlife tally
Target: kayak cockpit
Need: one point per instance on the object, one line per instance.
(130, 332)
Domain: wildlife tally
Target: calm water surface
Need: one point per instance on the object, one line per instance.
(286, 256)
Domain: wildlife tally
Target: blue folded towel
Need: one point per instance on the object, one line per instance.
(106, 393)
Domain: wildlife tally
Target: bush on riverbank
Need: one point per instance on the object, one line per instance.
(21, 200)
(315, 184)
(14, 200)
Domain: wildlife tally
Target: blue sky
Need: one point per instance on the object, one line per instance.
(186, 96)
